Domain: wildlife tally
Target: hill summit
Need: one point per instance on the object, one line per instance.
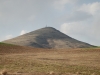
(47, 37)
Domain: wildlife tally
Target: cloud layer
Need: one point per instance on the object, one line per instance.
(84, 25)
(76, 18)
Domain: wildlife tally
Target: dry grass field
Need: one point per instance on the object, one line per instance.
(18, 60)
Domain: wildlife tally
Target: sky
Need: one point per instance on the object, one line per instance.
(79, 19)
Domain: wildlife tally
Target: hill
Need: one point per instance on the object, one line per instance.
(47, 37)
(20, 60)
(9, 48)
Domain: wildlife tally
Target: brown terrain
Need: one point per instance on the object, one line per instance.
(20, 60)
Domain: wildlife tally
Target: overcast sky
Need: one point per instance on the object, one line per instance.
(79, 19)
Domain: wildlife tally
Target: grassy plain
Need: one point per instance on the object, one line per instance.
(33, 61)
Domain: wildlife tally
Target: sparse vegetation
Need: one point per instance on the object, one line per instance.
(49, 62)
(5, 43)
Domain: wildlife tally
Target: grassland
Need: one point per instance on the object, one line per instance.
(33, 61)
(4, 44)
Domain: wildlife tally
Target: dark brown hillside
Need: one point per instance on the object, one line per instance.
(47, 37)
(9, 48)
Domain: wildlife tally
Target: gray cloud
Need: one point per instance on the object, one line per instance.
(84, 26)
(22, 9)
(16, 15)
(75, 16)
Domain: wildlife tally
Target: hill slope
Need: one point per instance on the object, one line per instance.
(47, 37)
(9, 48)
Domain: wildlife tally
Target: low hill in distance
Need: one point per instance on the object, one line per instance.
(10, 48)
(47, 37)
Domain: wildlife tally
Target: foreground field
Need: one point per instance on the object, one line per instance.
(32, 61)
